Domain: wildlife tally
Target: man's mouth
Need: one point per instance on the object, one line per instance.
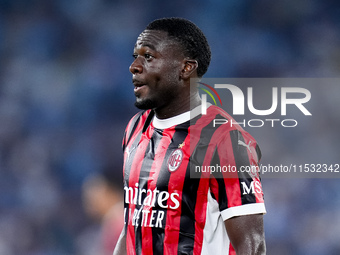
(138, 85)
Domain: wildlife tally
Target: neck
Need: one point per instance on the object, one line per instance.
(179, 106)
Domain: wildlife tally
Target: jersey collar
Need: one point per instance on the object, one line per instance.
(176, 120)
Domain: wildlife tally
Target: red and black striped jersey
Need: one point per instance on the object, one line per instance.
(177, 190)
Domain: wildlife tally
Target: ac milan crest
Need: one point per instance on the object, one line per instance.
(175, 160)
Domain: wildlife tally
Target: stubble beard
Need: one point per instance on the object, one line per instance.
(145, 104)
(155, 101)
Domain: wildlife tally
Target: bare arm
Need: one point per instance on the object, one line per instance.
(246, 234)
(120, 248)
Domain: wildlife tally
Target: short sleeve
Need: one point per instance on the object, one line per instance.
(235, 184)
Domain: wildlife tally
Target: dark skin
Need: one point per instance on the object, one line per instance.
(161, 74)
(246, 234)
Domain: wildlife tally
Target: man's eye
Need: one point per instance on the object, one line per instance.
(147, 56)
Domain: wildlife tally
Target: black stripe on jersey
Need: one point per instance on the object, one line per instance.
(148, 159)
(222, 198)
(187, 225)
(190, 187)
(148, 120)
(242, 159)
(181, 132)
(258, 152)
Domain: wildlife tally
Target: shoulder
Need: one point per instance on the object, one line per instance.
(219, 128)
(137, 124)
(139, 118)
(217, 120)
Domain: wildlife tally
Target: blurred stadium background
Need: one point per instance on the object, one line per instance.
(66, 96)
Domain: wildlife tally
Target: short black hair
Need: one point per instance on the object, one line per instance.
(189, 36)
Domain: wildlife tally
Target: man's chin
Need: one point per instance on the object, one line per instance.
(145, 104)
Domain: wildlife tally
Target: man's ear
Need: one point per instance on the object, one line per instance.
(189, 68)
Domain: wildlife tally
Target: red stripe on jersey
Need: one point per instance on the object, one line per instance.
(232, 184)
(231, 250)
(253, 160)
(152, 182)
(259, 196)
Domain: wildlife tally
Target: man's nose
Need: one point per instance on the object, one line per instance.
(136, 67)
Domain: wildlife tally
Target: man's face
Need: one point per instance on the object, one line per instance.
(156, 70)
